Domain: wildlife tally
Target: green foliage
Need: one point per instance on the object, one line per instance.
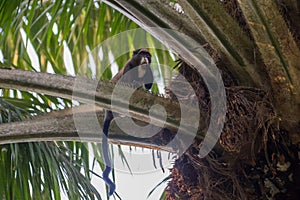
(39, 170)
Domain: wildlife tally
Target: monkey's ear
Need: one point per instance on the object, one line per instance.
(135, 52)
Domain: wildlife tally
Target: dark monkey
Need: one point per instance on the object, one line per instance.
(141, 58)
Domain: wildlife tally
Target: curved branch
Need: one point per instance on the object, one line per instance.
(96, 93)
(59, 125)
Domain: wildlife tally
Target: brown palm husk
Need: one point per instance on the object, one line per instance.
(253, 158)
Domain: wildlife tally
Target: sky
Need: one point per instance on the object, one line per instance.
(144, 177)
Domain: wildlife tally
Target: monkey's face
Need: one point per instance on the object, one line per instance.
(144, 56)
(137, 69)
(141, 57)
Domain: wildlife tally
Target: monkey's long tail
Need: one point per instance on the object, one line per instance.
(107, 161)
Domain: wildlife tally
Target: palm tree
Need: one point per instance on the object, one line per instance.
(255, 45)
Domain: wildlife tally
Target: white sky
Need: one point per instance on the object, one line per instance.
(35, 62)
(1, 56)
(68, 61)
(144, 177)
